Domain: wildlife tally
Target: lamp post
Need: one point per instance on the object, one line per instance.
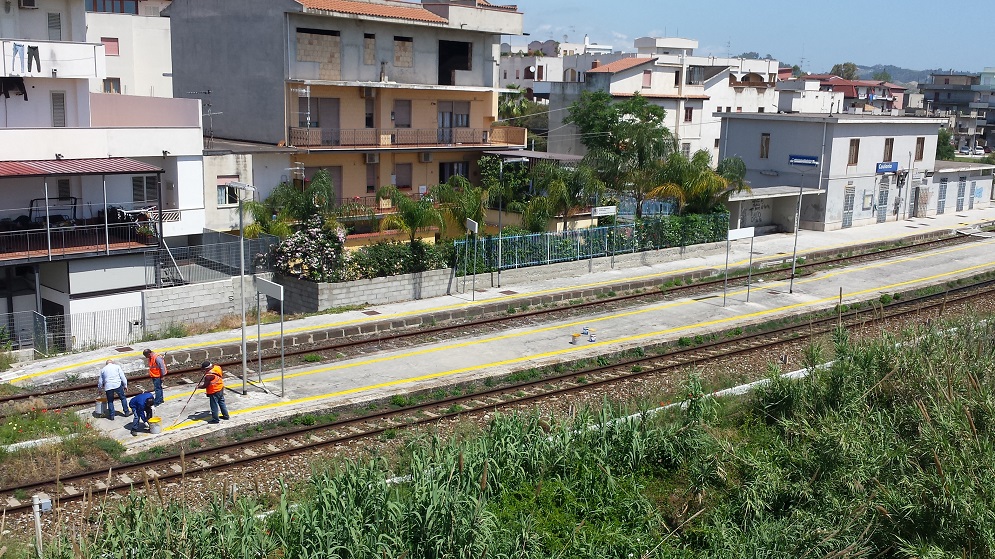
(798, 225)
(500, 200)
(242, 187)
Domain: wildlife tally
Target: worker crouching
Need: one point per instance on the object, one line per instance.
(141, 407)
(214, 384)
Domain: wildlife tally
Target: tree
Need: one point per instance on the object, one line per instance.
(626, 141)
(410, 216)
(846, 70)
(944, 145)
(695, 186)
(289, 205)
(796, 71)
(458, 201)
(566, 190)
(881, 76)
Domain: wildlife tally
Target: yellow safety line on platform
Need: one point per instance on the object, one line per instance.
(361, 320)
(563, 351)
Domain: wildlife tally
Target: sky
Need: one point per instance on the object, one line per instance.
(820, 34)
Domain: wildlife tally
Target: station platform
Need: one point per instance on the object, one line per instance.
(352, 381)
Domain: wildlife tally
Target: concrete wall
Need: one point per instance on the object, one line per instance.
(201, 303)
(143, 64)
(212, 50)
(304, 296)
(33, 24)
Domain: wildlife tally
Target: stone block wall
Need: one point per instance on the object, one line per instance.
(323, 49)
(404, 53)
(304, 296)
(199, 303)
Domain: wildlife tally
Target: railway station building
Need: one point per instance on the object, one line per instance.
(848, 169)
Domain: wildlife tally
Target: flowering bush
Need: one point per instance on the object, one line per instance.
(313, 253)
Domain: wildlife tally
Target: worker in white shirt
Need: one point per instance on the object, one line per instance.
(113, 382)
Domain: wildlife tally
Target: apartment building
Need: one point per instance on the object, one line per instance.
(375, 93)
(689, 87)
(964, 101)
(850, 169)
(136, 46)
(863, 96)
(80, 171)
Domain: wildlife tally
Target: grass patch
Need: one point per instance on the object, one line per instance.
(311, 358)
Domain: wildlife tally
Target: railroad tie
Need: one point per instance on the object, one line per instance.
(99, 485)
(202, 463)
(272, 448)
(176, 468)
(12, 502)
(295, 442)
(316, 438)
(248, 452)
(227, 458)
(70, 490)
(125, 479)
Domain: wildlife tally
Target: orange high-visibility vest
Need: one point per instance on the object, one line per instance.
(215, 382)
(154, 370)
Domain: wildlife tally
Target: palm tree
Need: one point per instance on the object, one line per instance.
(566, 190)
(458, 201)
(289, 205)
(410, 215)
(635, 165)
(695, 186)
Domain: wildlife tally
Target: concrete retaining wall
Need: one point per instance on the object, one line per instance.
(198, 303)
(304, 296)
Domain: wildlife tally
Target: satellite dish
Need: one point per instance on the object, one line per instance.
(532, 68)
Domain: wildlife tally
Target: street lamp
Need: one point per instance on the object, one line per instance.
(242, 187)
(798, 225)
(500, 200)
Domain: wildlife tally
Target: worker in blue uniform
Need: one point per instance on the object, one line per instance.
(141, 406)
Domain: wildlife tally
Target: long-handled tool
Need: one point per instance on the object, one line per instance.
(183, 409)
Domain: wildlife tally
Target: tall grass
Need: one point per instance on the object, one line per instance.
(886, 453)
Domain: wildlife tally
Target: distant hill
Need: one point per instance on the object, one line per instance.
(901, 75)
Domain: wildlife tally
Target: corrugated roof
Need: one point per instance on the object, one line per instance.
(395, 10)
(53, 167)
(620, 65)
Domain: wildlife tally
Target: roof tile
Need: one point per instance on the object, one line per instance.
(388, 9)
(52, 167)
(621, 65)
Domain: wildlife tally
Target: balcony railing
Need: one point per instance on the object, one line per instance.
(405, 137)
(30, 244)
(52, 59)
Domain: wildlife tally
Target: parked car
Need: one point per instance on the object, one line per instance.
(978, 150)
(966, 150)
(987, 149)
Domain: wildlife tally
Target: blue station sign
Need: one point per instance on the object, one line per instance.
(889, 167)
(805, 160)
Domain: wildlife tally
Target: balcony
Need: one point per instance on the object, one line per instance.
(400, 138)
(52, 59)
(978, 105)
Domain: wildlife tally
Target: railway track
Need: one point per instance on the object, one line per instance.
(384, 335)
(666, 358)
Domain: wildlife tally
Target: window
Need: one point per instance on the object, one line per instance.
(369, 48)
(449, 170)
(716, 143)
(920, 147)
(144, 189)
(728, 109)
(227, 195)
(739, 109)
(112, 6)
(59, 109)
(401, 114)
(647, 79)
(688, 114)
(539, 73)
(454, 56)
(530, 73)
(54, 26)
(677, 78)
(686, 149)
(518, 74)
(63, 188)
(402, 175)
(505, 75)
(854, 151)
(371, 177)
(110, 46)
(696, 75)
(760, 110)
(112, 85)
(370, 107)
(404, 52)
(889, 147)
(765, 146)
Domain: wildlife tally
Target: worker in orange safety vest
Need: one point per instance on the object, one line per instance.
(157, 370)
(214, 384)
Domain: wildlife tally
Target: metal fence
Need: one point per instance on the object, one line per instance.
(215, 260)
(49, 335)
(486, 254)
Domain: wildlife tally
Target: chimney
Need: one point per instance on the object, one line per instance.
(595, 64)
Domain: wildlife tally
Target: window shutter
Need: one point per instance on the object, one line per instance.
(54, 26)
(59, 109)
(138, 189)
(63, 186)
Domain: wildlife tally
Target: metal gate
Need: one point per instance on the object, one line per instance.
(961, 187)
(941, 198)
(848, 197)
(882, 205)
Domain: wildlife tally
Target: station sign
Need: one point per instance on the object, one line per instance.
(889, 167)
(741, 233)
(805, 160)
(602, 211)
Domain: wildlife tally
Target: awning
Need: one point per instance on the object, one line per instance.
(562, 157)
(61, 167)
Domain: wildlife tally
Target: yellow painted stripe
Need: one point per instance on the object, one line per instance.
(401, 314)
(563, 351)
